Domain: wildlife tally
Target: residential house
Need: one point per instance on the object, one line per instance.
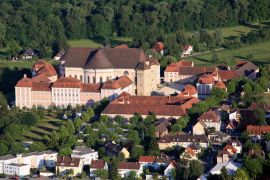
(205, 84)
(199, 128)
(230, 166)
(124, 168)
(218, 137)
(246, 69)
(186, 50)
(113, 149)
(264, 107)
(228, 153)
(161, 130)
(65, 164)
(85, 154)
(146, 161)
(97, 165)
(8, 159)
(183, 140)
(127, 105)
(97, 65)
(169, 171)
(211, 119)
(159, 47)
(59, 55)
(256, 132)
(28, 54)
(191, 152)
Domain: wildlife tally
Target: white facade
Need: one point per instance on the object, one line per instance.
(8, 159)
(168, 172)
(17, 169)
(85, 154)
(126, 172)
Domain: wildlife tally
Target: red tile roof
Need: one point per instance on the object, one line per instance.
(129, 165)
(226, 75)
(68, 161)
(90, 87)
(206, 79)
(43, 67)
(230, 147)
(24, 82)
(147, 159)
(41, 86)
(121, 46)
(174, 67)
(189, 90)
(220, 85)
(67, 82)
(97, 164)
(159, 46)
(258, 130)
(121, 82)
(161, 105)
(209, 116)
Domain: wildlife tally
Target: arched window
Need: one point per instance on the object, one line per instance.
(76, 76)
(100, 80)
(81, 77)
(126, 73)
(94, 80)
(88, 79)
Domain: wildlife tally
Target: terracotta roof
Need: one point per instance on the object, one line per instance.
(90, 87)
(147, 159)
(40, 78)
(97, 164)
(129, 165)
(159, 46)
(226, 75)
(196, 70)
(68, 161)
(160, 105)
(230, 147)
(183, 138)
(104, 58)
(254, 106)
(258, 130)
(41, 86)
(121, 82)
(220, 85)
(175, 67)
(186, 47)
(43, 67)
(190, 151)
(189, 90)
(209, 116)
(67, 82)
(121, 46)
(206, 79)
(24, 82)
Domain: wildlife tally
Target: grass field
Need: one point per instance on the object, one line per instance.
(44, 127)
(260, 52)
(16, 64)
(98, 42)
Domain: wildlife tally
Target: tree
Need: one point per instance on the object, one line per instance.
(254, 167)
(65, 152)
(16, 148)
(132, 176)
(224, 174)
(196, 169)
(29, 119)
(3, 149)
(37, 146)
(13, 48)
(241, 175)
(136, 152)
(153, 148)
(113, 170)
(133, 137)
(102, 173)
(260, 116)
(77, 123)
(214, 58)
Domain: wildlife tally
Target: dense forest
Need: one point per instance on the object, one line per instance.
(46, 25)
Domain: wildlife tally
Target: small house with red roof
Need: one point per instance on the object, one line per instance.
(205, 84)
(97, 165)
(159, 47)
(189, 91)
(124, 168)
(146, 161)
(211, 119)
(186, 50)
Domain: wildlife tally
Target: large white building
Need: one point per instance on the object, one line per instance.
(17, 169)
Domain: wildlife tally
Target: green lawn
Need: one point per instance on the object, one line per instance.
(98, 42)
(44, 127)
(16, 64)
(260, 51)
